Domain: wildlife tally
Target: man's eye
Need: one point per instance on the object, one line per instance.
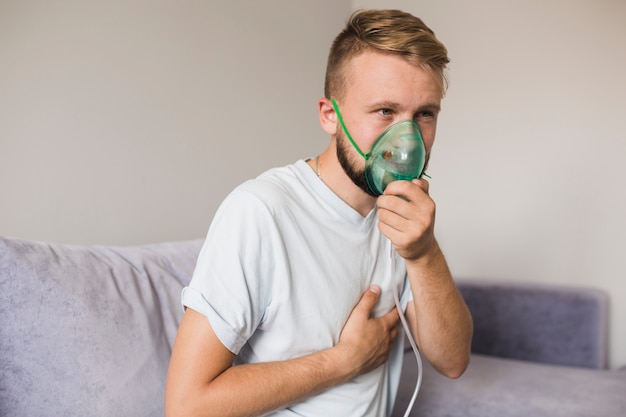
(385, 112)
(425, 115)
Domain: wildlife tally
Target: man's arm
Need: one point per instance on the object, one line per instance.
(440, 320)
(202, 381)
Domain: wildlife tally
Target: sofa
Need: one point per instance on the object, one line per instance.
(537, 350)
(88, 331)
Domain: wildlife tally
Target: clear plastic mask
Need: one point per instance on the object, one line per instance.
(398, 154)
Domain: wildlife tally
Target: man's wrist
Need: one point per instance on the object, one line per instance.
(338, 364)
(432, 256)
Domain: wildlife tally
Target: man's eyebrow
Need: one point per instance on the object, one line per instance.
(432, 106)
(385, 105)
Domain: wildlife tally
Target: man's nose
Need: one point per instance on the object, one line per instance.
(404, 116)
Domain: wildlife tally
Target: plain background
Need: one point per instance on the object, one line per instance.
(127, 122)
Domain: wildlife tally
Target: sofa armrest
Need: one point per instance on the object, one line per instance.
(560, 325)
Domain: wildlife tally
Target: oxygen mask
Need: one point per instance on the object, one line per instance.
(397, 154)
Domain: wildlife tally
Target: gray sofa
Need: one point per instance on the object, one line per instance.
(88, 330)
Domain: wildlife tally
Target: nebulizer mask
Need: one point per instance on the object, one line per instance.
(397, 154)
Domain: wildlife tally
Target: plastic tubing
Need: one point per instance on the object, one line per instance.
(409, 334)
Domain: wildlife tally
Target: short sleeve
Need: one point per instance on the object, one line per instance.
(231, 284)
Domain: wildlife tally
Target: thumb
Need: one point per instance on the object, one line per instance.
(422, 183)
(369, 299)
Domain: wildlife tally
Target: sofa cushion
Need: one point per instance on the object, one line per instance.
(498, 387)
(88, 331)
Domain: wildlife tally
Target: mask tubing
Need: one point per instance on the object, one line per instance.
(409, 334)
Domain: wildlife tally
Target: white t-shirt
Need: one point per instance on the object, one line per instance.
(284, 263)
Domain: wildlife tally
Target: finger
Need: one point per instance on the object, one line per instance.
(393, 219)
(400, 188)
(408, 192)
(391, 318)
(369, 299)
(422, 183)
(394, 333)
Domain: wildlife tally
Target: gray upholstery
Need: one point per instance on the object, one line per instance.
(539, 323)
(88, 331)
(498, 387)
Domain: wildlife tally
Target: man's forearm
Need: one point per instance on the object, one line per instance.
(257, 389)
(442, 324)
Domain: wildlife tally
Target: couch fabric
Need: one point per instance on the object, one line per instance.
(500, 387)
(88, 331)
(552, 324)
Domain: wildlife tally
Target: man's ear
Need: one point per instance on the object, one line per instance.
(328, 117)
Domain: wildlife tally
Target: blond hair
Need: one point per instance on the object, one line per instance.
(389, 31)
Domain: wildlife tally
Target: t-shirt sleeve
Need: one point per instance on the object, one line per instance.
(232, 280)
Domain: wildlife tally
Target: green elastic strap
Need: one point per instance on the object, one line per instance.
(345, 130)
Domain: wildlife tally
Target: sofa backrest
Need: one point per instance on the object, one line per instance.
(561, 325)
(88, 330)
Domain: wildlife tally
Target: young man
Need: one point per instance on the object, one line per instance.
(291, 308)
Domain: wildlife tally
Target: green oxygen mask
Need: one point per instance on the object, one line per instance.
(397, 154)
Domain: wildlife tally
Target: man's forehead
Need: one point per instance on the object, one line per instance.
(375, 70)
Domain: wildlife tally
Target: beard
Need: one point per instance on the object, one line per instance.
(357, 176)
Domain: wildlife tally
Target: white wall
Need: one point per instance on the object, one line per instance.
(126, 122)
(528, 168)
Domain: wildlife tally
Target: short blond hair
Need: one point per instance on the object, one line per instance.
(389, 31)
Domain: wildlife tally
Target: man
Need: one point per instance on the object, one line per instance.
(291, 310)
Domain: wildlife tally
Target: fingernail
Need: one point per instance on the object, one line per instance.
(375, 289)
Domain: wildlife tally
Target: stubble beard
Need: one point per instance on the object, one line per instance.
(357, 176)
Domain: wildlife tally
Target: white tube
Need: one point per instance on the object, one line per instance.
(409, 334)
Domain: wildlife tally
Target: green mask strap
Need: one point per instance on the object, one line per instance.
(345, 130)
